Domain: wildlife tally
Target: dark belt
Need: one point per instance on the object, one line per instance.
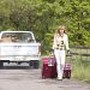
(60, 48)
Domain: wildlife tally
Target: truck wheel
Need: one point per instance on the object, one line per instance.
(1, 65)
(34, 64)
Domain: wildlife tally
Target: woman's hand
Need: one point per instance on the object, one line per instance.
(68, 51)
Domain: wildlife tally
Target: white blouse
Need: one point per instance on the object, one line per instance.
(60, 42)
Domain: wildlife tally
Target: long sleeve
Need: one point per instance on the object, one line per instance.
(67, 43)
(54, 42)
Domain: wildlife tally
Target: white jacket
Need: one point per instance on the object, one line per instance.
(58, 40)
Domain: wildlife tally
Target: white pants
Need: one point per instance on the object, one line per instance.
(60, 60)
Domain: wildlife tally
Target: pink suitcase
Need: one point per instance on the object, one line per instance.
(49, 68)
(67, 71)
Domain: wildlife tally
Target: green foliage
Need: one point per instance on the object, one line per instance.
(44, 16)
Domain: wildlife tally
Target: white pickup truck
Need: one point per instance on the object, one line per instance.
(18, 47)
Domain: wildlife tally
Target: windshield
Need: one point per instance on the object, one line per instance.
(17, 37)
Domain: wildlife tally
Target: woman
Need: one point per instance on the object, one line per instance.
(60, 45)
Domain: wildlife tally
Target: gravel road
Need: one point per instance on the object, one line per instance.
(23, 78)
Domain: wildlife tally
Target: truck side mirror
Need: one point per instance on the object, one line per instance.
(38, 40)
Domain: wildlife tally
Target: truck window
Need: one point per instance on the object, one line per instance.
(17, 37)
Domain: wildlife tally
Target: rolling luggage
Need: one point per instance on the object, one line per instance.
(67, 71)
(49, 68)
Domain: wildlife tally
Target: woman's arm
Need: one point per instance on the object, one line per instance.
(67, 43)
(54, 42)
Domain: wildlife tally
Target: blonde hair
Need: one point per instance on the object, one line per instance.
(60, 28)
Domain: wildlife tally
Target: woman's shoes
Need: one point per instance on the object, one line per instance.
(59, 79)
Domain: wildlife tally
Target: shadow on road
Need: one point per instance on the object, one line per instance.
(15, 67)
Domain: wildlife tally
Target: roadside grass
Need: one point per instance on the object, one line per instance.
(81, 70)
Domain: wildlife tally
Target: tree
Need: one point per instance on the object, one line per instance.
(44, 16)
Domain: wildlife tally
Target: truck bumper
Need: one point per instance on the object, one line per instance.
(19, 58)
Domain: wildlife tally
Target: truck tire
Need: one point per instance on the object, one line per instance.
(1, 65)
(34, 64)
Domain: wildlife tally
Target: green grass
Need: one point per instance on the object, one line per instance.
(81, 70)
